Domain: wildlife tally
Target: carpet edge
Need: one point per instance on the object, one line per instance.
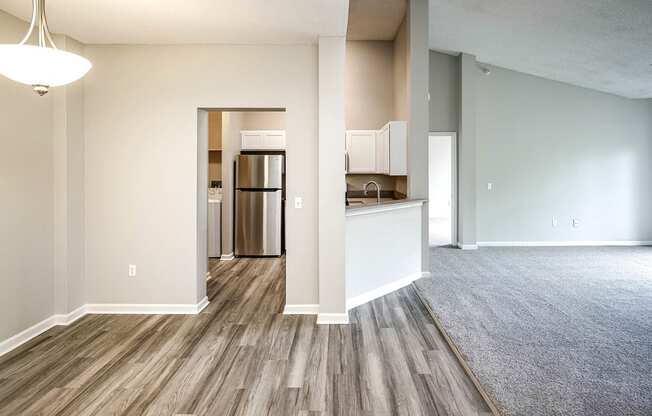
(458, 355)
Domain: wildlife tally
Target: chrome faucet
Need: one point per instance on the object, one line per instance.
(366, 185)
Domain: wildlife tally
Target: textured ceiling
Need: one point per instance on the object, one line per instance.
(191, 21)
(600, 44)
(375, 19)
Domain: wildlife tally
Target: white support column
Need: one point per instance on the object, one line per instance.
(467, 154)
(419, 115)
(332, 184)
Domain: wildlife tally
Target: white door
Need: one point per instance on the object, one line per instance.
(441, 192)
(361, 150)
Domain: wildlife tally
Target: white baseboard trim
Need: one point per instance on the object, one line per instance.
(26, 335)
(69, 318)
(307, 309)
(202, 304)
(332, 319)
(625, 243)
(227, 257)
(146, 309)
(383, 290)
(467, 246)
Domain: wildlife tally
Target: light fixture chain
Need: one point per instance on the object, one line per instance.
(44, 20)
(41, 31)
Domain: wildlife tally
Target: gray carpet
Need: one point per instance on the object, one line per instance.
(550, 331)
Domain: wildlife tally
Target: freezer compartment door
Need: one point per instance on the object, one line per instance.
(258, 223)
(260, 172)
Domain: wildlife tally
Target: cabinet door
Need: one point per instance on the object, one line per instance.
(397, 148)
(382, 151)
(214, 130)
(252, 140)
(274, 140)
(361, 149)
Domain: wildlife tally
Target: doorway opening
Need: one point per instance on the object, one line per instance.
(241, 201)
(442, 192)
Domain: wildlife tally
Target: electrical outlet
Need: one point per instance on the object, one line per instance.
(132, 270)
(298, 202)
(576, 222)
(554, 222)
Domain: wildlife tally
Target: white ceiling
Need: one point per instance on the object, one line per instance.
(375, 19)
(600, 44)
(191, 21)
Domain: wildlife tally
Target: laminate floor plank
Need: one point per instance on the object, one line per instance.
(241, 356)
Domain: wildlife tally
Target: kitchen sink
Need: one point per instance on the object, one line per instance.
(356, 202)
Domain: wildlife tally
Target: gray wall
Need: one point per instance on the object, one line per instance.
(467, 151)
(369, 84)
(444, 92)
(552, 149)
(26, 186)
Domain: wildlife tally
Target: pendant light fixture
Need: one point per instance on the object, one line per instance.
(41, 66)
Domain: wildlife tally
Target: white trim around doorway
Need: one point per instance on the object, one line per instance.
(454, 184)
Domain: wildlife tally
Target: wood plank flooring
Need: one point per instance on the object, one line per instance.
(241, 356)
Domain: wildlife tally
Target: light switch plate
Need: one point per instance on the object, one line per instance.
(298, 202)
(490, 186)
(132, 270)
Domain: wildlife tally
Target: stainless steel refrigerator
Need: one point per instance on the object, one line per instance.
(259, 205)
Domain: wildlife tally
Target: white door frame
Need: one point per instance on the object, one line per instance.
(453, 136)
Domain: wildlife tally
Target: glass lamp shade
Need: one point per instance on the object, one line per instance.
(41, 66)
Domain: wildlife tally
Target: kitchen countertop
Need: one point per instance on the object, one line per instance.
(386, 205)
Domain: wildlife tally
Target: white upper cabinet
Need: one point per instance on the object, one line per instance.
(396, 157)
(361, 151)
(381, 151)
(263, 139)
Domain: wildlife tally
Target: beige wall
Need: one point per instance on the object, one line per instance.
(369, 82)
(141, 160)
(42, 171)
(263, 120)
(401, 73)
(26, 186)
(69, 188)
